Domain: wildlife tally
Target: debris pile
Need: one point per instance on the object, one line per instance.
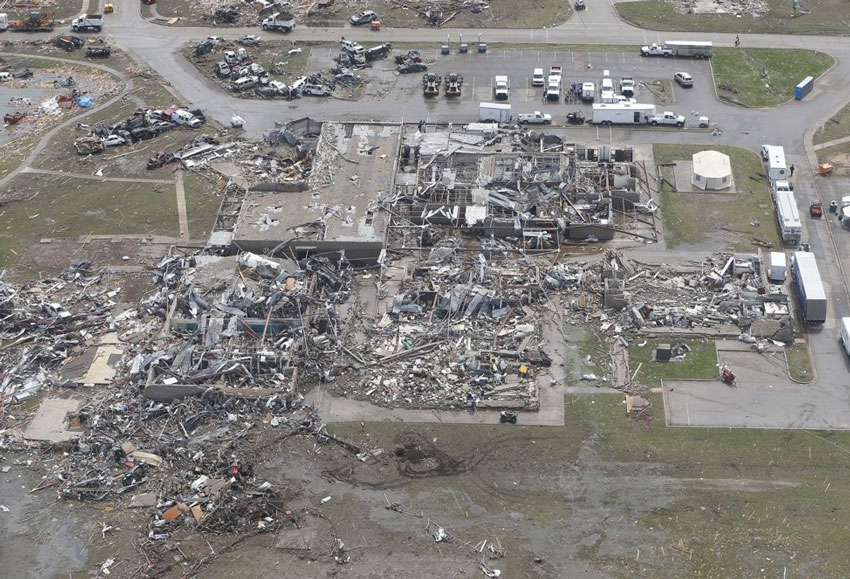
(724, 294)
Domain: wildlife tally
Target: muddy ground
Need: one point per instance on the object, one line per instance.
(600, 497)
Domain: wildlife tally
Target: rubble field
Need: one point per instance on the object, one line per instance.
(394, 13)
(61, 10)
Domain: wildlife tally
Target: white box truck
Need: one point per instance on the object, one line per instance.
(494, 112)
(844, 335)
(774, 160)
(777, 267)
(788, 217)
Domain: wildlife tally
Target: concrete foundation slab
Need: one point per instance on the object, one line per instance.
(50, 423)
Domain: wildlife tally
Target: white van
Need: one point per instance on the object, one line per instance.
(777, 269)
(607, 85)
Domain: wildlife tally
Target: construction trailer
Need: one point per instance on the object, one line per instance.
(809, 287)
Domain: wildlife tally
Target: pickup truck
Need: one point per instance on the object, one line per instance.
(535, 118)
(501, 88)
(627, 86)
(537, 78)
(667, 118)
(656, 50)
(93, 22)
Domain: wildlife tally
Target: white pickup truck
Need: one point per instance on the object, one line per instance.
(667, 118)
(656, 50)
(535, 118)
(501, 88)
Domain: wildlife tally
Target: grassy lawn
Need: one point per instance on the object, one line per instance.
(799, 365)
(829, 17)
(835, 128)
(700, 363)
(738, 73)
(693, 218)
(64, 207)
(202, 204)
(730, 525)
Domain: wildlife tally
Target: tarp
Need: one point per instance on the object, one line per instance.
(85, 101)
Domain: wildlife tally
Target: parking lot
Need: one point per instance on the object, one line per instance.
(478, 71)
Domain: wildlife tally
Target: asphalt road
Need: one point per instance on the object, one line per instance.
(788, 124)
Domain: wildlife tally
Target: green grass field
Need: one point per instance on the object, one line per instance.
(694, 218)
(739, 73)
(699, 364)
(828, 17)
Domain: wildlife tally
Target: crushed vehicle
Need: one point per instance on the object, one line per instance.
(68, 42)
(222, 69)
(226, 16)
(114, 141)
(161, 159)
(88, 144)
(22, 73)
(13, 118)
(250, 40)
(364, 17)
(33, 22)
(98, 52)
(377, 52)
(411, 68)
(204, 47)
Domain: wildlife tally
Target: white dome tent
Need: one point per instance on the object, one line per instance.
(712, 171)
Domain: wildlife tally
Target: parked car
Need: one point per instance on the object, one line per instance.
(683, 79)
(204, 47)
(222, 69)
(113, 141)
(364, 17)
(250, 40)
(142, 134)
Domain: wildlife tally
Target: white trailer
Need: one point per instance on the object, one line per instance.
(809, 287)
(774, 159)
(788, 217)
(844, 335)
(494, 112)
(622, 113)
(692, 48)
(777, 269)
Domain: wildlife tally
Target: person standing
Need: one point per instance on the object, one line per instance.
(791, 168)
